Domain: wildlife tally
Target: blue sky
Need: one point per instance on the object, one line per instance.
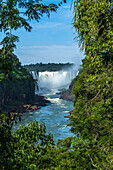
(51, 40)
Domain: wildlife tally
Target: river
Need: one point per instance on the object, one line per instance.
(52, 115)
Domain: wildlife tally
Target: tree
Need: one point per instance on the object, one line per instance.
(92, 119)
(93, 20)
(23, 149)
(15, 14)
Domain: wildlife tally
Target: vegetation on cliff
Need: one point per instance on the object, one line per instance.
(16, 89)
(92, 118)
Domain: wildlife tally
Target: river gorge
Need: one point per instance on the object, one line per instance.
(53, 115)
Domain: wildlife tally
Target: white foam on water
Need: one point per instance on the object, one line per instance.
(54, 100)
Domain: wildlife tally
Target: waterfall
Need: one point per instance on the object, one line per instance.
(47, 81)
(35, 75)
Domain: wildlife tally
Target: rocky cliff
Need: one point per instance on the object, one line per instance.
(68, 94)
(18, 90)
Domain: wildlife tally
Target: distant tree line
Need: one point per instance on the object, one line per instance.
(40, 67)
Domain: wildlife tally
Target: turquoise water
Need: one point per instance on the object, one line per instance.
(52, 115)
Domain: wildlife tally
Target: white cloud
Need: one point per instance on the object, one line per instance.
(49, 47)
(49, 53)
(47, 25)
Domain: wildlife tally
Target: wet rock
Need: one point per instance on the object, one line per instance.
(69, 114)
(67, 96)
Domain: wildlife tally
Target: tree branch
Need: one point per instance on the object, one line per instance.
(95, 96)
(93, 162)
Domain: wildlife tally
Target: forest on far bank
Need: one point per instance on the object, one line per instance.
(40, 67)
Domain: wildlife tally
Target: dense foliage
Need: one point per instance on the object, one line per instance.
(23, 149)
(92, 119)
(16, 89)
(40, 67)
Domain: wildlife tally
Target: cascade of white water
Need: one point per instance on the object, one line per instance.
(35, 75)
(46, 81)
(56, 80)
